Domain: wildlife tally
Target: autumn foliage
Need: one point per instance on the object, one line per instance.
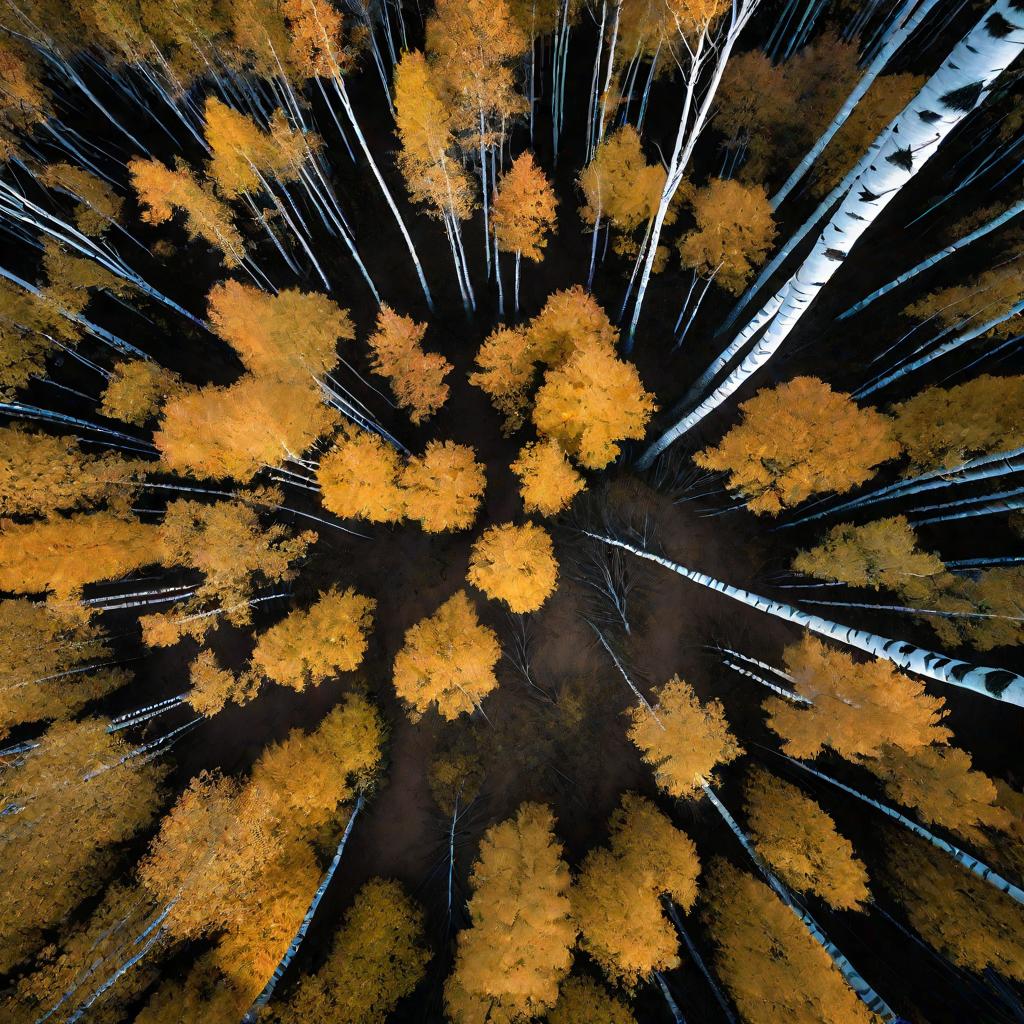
(514, 564)
(797, 440)
(517, 948)
(447, 660)
(547, 481)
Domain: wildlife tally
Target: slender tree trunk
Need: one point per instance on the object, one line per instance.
(695, 956)
(519, 257)
(995, 683)
(867, 995)
(673, 1006)
(965, 860)
(986, 229)
(790, 695)
(339, 86)
(268, 990)
(983, 467)
(902, 26)
(951, 93)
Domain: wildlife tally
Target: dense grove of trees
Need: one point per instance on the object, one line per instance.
(330, 532)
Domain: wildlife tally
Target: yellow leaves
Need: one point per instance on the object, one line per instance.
(799, 840)
(235, 431)
(857, 707)
(882, 553)
(291, 336)
(377, 957)
(772, 967)
(584, 1001)
(945, 426)
(213, 687)
(988, 296)
(245, 156)
(547, 482)
(447, 660)
(55, 847)
(514, 564)
(162, 191)
(417, 377)
(683, 740)
(590, 403)
(961, 915)
(310, 645)
(42, 474)
(433, 174)
(734, 233)
(358, 477)
(517, 950)
(317, 47)
(137, 389)
(228, 544)
(939, 783)
(616, 900)
(62, 555)
(442, 487)
(99, 206)
(524, 207)
(619, 185)
(800, 439)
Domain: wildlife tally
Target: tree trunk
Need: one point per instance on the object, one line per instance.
(996, 683)
(268, 990)
(951, 93)
(904, 24)
(963, 859)
(983, 467)
(790, 695)
(986, 229)
(695, 956)
(867, 995)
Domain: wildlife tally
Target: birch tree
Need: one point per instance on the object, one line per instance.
(896, 156)
(358, 477)
(447, 660)
(547, 481)
(616, 898)
(517, 948)
(515, 565)
(767, 960)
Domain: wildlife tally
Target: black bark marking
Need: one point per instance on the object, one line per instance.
(929, 116)
(836, 255)
(902, 158)
(965, 98)
(997, 681)
(997, 26)
(866, 196)
(855, 216)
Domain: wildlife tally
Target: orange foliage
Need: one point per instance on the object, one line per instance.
(291, 336)
(137, 390)
(772, 967)
(443, 486)
(358, 477)
(799, 439)
(447, 660)
(523, 213)
(514, 564)
(547, 482)
(212, 687)
(417, 377)
(616, 900)
(162, 191)
(518, 948)
(799, 840)
(235, 431)
(857, 707)
(310, 645)
(683, 740)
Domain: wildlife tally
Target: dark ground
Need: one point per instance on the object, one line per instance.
(533, 750)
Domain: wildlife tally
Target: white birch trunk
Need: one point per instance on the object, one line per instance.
(986, 229)
(949, 95)
(984, 467)
(867, 995)
(996, 683)
(965, 860)
(268, 990)
(904, 23)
